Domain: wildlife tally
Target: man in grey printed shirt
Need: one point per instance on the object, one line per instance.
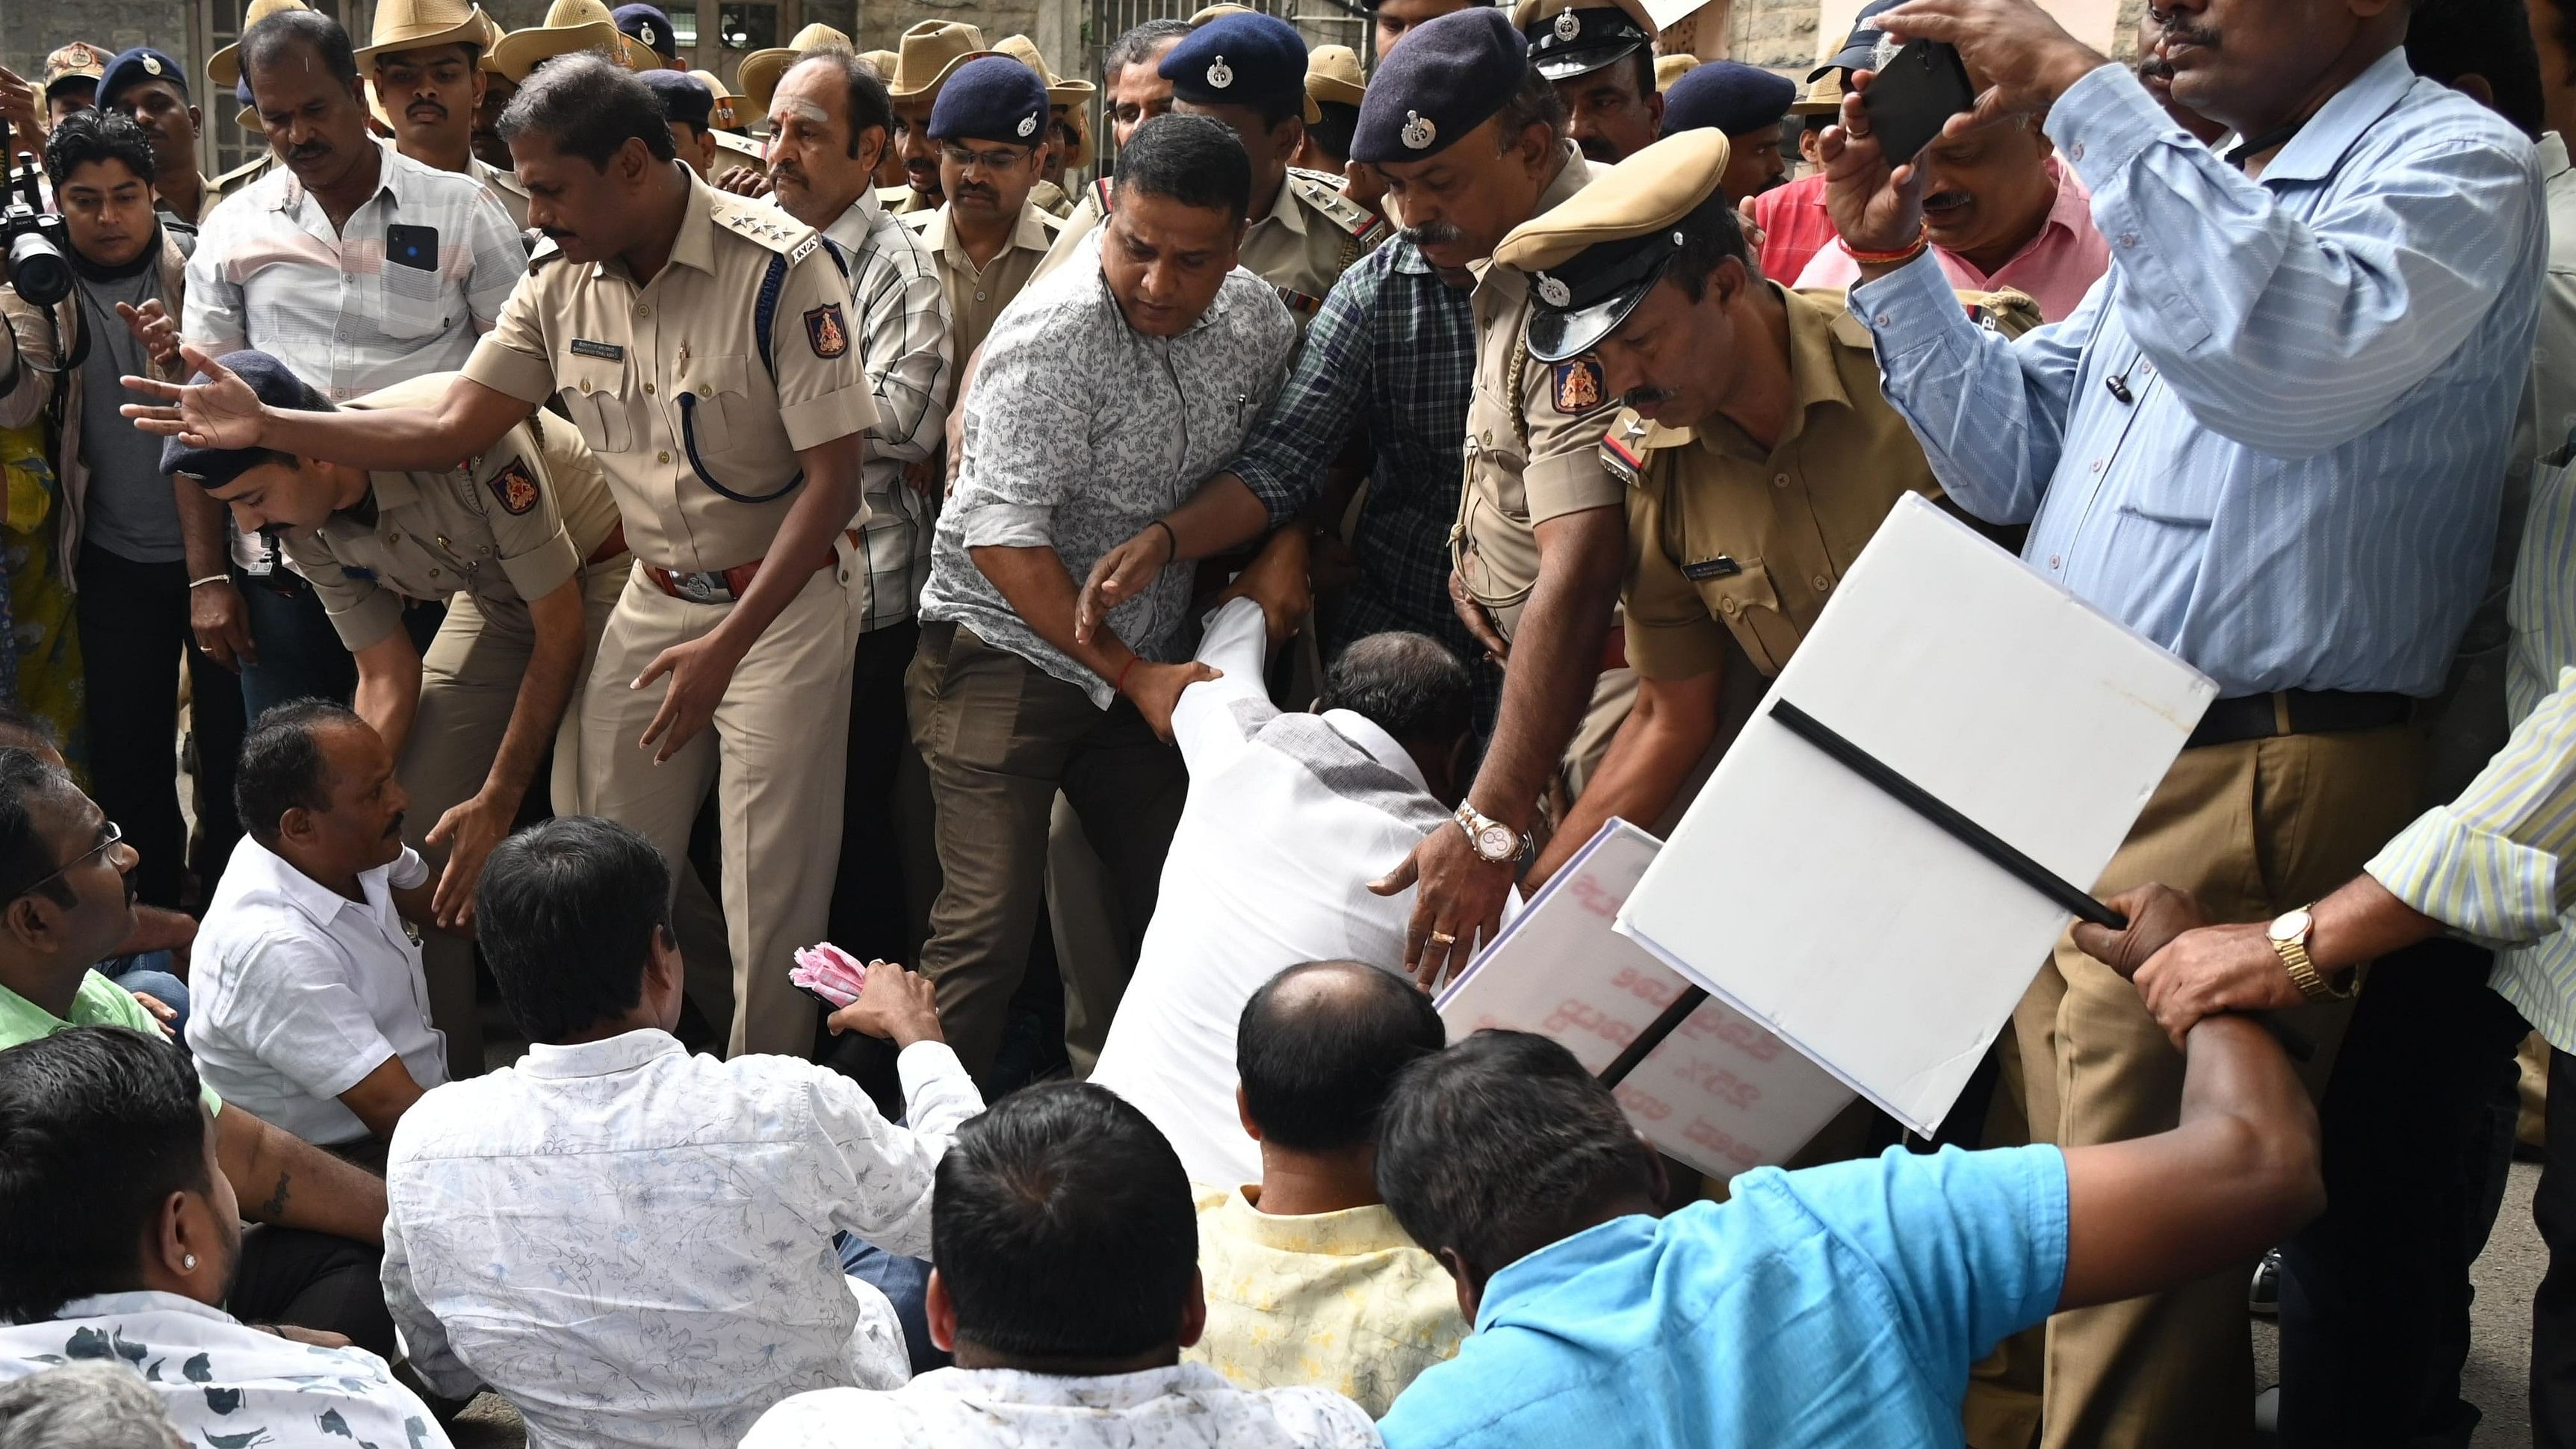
(1110, 388)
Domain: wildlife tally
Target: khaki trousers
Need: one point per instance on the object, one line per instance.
(1001, 738)
(772, 756)
(2253, 829)
(469, 684)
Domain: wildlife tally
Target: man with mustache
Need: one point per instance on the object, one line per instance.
(1999, 210)
(926, 57)
(986, 236)
(2236, 412)
(356, 266)
(829, 122)
(310, 1007)
(1601, 59)
(1758, 453)
(152, 88)
(2156, 74)
(427, 66)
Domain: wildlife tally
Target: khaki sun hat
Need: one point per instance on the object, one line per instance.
(224, 66)
(756, 79)
(571, 26)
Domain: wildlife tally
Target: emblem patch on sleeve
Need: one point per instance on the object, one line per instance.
(825, 329)
(1578, 386)
(515, 487)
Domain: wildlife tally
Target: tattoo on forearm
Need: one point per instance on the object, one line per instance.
(270, 1210)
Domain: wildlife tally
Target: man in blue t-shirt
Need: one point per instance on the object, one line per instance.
(1837, 1306)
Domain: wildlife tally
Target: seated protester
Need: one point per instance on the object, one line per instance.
(1309, 1279)
(1065, 1280)
(66, 901)
(1839, 1305)
(1289, 816)
(634, 1245)
(93, 1404)
(311, 1008)
(145, 962)
(119, 1240)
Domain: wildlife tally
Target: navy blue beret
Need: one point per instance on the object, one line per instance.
(992, 97)
(648, 24)
(684, 97)
(1240, 60)
(277, 387)
(133, 67)
(1449, 76)
(1727, 96)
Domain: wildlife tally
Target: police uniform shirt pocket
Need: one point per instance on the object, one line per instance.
(719, 402)
(594, 394)
(1746, 602)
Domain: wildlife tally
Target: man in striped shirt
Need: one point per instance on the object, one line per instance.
(830, 121)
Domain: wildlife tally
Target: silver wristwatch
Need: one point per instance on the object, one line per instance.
(1495, 842)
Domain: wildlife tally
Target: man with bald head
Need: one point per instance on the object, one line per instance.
(1288, 817)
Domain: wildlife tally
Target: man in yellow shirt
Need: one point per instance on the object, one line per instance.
(1308, 1277)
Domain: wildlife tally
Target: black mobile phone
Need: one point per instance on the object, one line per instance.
(415, 247)
(1923, 86)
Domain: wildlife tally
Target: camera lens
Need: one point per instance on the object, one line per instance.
(37, 270)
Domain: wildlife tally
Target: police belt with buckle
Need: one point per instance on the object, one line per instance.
(2296, 712)
(723, 586)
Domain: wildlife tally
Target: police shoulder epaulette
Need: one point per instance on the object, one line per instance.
(1049, 222)
(1103, 195)
(546, 251)
(507, 180)
(1302, 303)
(1623, 447)
(247, 171)
(760, 222)
(2002, 310)
(1323, 192)
(917, 220)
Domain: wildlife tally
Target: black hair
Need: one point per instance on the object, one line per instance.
(1536, 103)
(1063, 1229)
(567, 914)
(25, 854)
(1195, 160)
(588, 106)
(1407, 684)
(1332, 133)
(1140, 42)
(1498, 1146)
(1710, 235)
(95, 135)
(270, 39)
(282, 767)
(1317, 1066)
(869, 104)
(98, 1126)
(2449, 39)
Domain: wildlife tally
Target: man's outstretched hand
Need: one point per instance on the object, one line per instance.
(1276, 580)
(1459, 904)
(898, 1005)
(220, 412)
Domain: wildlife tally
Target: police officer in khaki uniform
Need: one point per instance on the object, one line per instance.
(1602, 60)
(1068, 133)
(1756, 471)
(988, 236)
(424, 67)
(523, 543)
(1249, 71)
(729, 431)
(927, 55)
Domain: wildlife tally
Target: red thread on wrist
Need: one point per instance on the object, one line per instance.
(1119, 685)
(1889, 259)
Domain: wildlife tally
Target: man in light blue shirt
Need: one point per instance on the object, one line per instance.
(2271, 439)
(1837, 1306)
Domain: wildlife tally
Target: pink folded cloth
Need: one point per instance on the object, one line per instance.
(829, 972)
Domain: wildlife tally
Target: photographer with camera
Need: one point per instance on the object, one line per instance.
(146, 558)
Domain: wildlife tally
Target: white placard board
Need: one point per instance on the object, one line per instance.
(1861, 933)
(1720, 1093)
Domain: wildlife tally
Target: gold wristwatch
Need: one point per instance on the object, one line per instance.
(1495, 842)
(2289, 936)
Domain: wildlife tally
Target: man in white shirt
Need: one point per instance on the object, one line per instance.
(310, 1007)
(1289, 817)
(119, 1241)
(634, 1245)
(1065, 1279)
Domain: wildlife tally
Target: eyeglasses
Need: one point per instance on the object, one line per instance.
(965, 158)
(115, 834)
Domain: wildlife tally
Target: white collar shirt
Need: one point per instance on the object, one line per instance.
(1289, 817)
(224, 1382)
(1186, 1406)
(634, 1245)
(903, 333)
(298, 992)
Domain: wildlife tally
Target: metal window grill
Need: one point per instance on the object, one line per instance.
(1325, 22)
